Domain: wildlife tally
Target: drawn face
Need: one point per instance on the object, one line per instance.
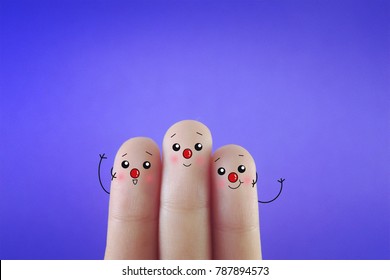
(136, 162)
(233, 167)
(135, 170)
(187, 144)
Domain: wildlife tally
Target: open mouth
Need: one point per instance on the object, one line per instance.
(187, 165)
(135, 181)
(237, 186)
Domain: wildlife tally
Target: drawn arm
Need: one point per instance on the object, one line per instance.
(281, 180)
(102, 156)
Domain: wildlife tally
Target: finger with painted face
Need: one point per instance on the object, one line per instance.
(134, 201)
(184, 211)
(236, 233)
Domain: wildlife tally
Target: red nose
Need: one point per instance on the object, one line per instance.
(187, 153)
(233, 177)
(134, 173)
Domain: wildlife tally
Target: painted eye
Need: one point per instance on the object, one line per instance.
(221, 171)
(147, 165)
(241, 169)
(176, 147)
(125, 164)
(198, 146)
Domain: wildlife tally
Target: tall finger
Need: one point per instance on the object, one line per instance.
(184, 211)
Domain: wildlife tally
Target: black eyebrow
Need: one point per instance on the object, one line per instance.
(199, 133)
(240, 155)
(148, 153)
(124, 155)
(173, 135)
(216, 159)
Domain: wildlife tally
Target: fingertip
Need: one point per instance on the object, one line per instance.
(233, 149)
(187, 126)
(136, 143)
(233, 165)
(187, 143)
(137, 157)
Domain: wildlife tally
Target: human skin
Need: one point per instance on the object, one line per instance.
(134, 201)
(236, 232)
(185, 192)
(182, 208)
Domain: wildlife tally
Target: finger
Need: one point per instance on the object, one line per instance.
(134, 201)
(236, 233)
(184, 211)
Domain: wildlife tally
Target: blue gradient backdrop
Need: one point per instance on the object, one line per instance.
(303, 85)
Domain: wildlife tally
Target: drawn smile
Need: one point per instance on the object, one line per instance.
(237, 186)
(187, 165)
(135, 181)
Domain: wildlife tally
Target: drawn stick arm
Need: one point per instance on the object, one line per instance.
(281, 180)
(102, 156)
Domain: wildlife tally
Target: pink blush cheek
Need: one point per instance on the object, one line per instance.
(121, 177)
(200, 160)
(221, 183)
(149, 179)
(174, 159)
(247, 180)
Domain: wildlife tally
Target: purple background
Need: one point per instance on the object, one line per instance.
(303, 85)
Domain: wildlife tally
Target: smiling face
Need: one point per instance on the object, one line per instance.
(233, 167)
(187, 144)
(136, 163)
